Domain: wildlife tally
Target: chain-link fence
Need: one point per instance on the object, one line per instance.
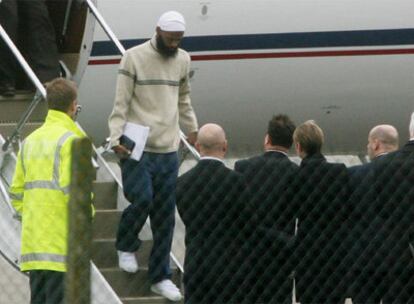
(250, 236)
(338, 233)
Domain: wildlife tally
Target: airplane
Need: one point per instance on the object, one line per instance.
(347, 64)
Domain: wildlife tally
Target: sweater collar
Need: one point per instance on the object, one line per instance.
(153, 42)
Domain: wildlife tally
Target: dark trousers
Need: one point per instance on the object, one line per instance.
(46, 287)
(28, 24)
(372, 287)
(149, 185)
(267, 274)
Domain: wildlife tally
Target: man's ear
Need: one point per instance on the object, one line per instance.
(225, 146)
(72, 109)
(377, 145)
(197, 146)
(267, 139)
(298, 148)
(158, 31)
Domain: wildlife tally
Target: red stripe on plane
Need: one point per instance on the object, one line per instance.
(278, 55)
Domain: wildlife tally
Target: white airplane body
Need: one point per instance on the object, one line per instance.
(348, 64)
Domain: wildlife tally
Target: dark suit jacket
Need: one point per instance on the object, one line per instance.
(269, 177)
(361, 202)
(358, 173)
(212, 202)
(321, 200)
(387, 225)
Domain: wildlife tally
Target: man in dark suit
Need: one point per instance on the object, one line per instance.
(212, 202)
(269, 176)
(382, 139)
(382, 269)
(320, 199)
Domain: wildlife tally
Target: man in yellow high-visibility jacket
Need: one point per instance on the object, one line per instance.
(40, 193)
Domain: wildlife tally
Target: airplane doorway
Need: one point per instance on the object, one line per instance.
(69, 18)
(72, 31)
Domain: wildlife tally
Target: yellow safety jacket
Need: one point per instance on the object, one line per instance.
(40, 192)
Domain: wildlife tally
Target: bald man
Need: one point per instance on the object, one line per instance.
(385, 261)
(211, 200)
(382, 139)
(377, 224)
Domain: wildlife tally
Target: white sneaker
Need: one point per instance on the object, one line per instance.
(167, 289)
(127, 261)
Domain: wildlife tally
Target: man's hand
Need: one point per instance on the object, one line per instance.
(192, 138)
(121, 151)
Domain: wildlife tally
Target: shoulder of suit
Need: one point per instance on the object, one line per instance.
(247, 162)
(240, 163)
(355, 170)
(340, 166)
(254, 159)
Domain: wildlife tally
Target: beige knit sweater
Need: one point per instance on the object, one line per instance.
(153, 91)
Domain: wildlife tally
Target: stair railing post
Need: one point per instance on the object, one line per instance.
(78, 276)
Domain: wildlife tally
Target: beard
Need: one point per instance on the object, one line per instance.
(164, 49)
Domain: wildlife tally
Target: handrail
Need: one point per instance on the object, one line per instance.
(105, 26)
(189, 147)
(3, 189)
(66, 21)
(41, 91)
(121, 49)
(6, 197)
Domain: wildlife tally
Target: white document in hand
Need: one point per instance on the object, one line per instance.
(139, 134)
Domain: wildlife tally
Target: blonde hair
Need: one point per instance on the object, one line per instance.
(310, 137)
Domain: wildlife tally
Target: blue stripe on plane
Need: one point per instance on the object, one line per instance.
(276, 41)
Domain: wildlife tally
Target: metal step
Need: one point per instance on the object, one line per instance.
(105, 195)
(6, 129)
(105, 223)
(148, 300)
(133, 284)
(12, 108)
(131, 288)
(104, 254)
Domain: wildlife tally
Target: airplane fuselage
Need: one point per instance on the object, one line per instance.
(347, 64)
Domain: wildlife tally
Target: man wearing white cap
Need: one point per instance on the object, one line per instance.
(153, 90)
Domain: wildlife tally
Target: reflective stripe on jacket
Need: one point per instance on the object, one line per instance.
(40, 192)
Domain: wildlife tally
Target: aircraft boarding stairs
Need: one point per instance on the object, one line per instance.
(109, 283)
